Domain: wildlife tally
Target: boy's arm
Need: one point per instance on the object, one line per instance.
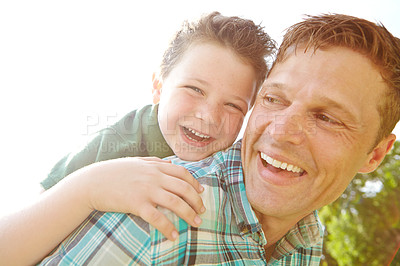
(104, 145)
(130, 185)
(136, 134)
(32, 232)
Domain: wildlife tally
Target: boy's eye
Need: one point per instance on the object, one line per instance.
(195, 89)
(235, 106)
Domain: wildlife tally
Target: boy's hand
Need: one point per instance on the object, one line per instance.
(138, 185)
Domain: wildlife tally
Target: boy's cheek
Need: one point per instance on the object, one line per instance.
(234, 124)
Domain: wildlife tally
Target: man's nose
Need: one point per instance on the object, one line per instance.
(288, 127)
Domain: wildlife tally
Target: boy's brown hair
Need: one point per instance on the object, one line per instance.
(243, 36)
(369, 39)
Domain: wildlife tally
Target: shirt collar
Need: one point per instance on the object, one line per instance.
(244, 215)
(306, 233)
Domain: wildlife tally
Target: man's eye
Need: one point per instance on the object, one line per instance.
(327, 119)
(270, 99)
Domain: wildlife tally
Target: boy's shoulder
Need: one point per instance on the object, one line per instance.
(141, 120)
(148, 111)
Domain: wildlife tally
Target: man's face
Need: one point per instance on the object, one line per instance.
(316, 117)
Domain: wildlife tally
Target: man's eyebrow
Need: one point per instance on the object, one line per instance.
(337, 105)
(274, 85)
(328, 101)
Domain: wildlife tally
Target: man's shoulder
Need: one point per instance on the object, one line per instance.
(219, 161)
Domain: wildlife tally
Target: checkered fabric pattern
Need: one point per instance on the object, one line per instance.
(230, 233)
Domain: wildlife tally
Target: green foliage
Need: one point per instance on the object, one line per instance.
(363, 225)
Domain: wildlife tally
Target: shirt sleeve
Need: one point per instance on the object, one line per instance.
(104, 145)
(136, 134)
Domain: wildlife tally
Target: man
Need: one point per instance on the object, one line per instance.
(326, 112)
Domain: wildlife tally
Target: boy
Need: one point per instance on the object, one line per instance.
(262, 193)
(208, 81)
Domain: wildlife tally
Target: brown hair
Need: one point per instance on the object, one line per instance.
(243, 36)
(369, 39)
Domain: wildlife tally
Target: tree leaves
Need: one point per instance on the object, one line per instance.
(363, 225)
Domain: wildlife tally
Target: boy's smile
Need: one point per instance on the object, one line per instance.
(195, 138)
(204, 100)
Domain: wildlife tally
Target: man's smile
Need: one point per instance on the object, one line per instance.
(281, 165)
(279, 172)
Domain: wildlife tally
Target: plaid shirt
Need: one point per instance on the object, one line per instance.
(230, 233)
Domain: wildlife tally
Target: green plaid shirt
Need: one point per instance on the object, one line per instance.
(230, 233)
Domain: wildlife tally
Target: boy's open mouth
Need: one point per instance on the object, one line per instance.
(278, 166)
(195, 135)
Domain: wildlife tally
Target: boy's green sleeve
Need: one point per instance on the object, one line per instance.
(136, 134)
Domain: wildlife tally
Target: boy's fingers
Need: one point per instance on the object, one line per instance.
(182, 173)
(157, 219)
(178, 206)
(176, 171)
(185, 192)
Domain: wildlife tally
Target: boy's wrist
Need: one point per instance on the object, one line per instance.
(81, 188)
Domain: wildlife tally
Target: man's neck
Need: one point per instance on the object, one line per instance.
(274, 229)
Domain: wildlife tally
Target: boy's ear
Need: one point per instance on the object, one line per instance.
(378, 153)
(156, 90)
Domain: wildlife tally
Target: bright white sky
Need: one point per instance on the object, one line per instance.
(69, 68)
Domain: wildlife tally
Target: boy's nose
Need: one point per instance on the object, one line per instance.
(209, 113)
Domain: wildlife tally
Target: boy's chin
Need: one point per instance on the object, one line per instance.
(193, 156)
(194, 153)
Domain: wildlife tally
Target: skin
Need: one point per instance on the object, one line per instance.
(209, 91)
(318, 112)
(213, 88)
(131, 185)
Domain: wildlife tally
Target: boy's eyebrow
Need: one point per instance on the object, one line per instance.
(202, 81)
(206, 83)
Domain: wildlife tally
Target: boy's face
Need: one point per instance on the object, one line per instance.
(204, 100)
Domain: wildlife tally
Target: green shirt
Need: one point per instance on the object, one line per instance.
(136, 134)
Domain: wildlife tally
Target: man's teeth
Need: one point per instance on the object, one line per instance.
(198, 134)
(279, 164)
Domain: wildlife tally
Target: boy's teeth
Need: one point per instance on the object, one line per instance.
(198, 134)
(282, 165)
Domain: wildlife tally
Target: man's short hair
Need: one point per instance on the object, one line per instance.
(369, 39)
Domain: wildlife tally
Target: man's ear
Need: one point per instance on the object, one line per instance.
(378, 153)
(156, 90)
